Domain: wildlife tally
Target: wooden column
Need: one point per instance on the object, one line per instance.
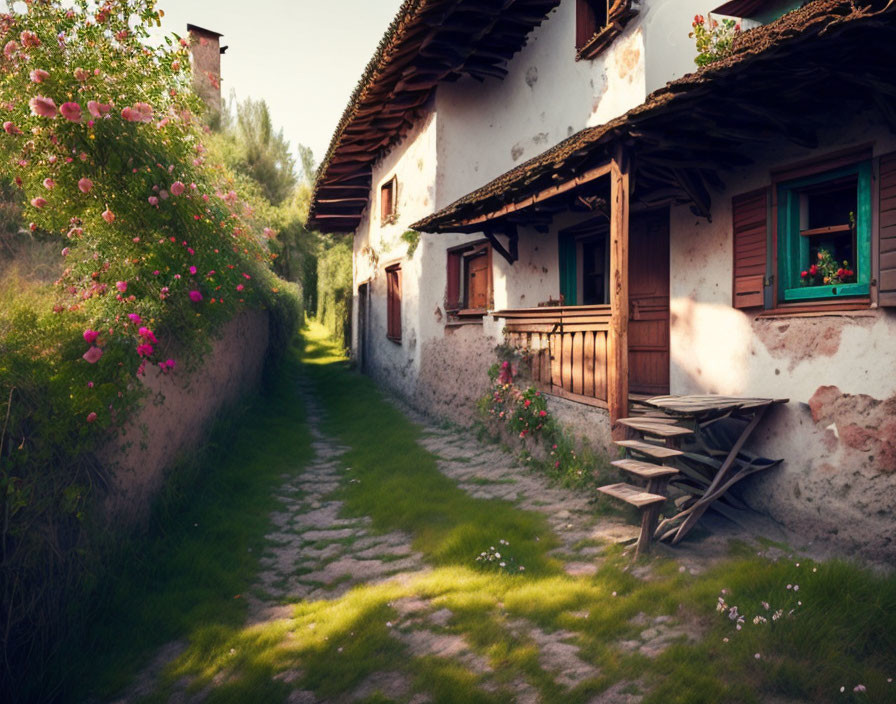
(617, 340)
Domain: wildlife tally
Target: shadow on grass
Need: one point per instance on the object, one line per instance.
(837, 630)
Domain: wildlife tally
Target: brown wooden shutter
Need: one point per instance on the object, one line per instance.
(750, 225)
(393, 303)
(452, 292)
(887, 214)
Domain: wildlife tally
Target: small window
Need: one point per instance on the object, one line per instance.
(393, 302)
(584, 262)
(388, 192)
(598, 23)
(469, 290)
(824, 235)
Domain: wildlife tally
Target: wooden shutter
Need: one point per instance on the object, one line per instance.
(452, 291)
(887, 222)
(587, 21)
(393, 303)
(749, 213)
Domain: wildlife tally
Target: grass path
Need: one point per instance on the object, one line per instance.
(366, 586)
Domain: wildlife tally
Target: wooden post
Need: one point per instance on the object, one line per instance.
(617, 339)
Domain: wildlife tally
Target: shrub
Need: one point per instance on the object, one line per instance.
(101, 141)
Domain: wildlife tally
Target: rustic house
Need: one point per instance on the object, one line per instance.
(556, 174)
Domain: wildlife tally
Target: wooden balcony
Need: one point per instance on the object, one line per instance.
(565, 348)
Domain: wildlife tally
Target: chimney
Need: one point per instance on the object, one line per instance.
(206, 49)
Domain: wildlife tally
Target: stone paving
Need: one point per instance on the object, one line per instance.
(314, 553)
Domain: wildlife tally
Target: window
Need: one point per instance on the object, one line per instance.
(584, 262)
(599, 22)
(824, 235)
(469, 290)
(388, 192)
(393, 302)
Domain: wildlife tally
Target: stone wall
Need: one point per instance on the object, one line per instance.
(177, 413)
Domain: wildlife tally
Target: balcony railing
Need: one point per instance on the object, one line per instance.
(565, 348)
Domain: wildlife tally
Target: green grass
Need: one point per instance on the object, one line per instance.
(843, 634)
(186, 578)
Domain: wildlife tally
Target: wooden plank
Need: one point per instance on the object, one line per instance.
(578, 363)
(662, 430)
(644, 470)
(646, 448)
(566, 363)
(588, 363)
(600, 366)
(631, 494)
(617, 340)
(556, 348)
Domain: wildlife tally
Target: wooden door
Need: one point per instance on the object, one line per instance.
(477, 281)
(648, 328)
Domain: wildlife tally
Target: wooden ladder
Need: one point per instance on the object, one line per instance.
(644, 461)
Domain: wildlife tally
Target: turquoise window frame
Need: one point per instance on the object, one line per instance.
(566, 251)
(793, 249)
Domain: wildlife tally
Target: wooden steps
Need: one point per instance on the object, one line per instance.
(645, 470)
(647, 448)
(657, 427)
(633, 495)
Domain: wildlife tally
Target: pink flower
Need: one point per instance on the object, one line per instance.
(71, 111)
(268, 232)
(38, 75)
(38, 202)
(177, 188)
(90, 336)
(240, 287)
(195, 296)
(10, 49)
(147, 335)
(98, 109)
(42, 107)
(153, 200)
(122, 286)
(29, 38)
(144, 350)
(108, 215)
(141, 112)
(10, 128)
(91, 417)
(81, 74)
(85, 185)
(134, 318)
(49, 184)
(192, 269)
(93, 355)
(65, 251)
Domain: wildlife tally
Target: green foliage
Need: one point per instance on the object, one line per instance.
(714, 40)
(826, 271)
(334, 289)
(412, 238)
(158, 250)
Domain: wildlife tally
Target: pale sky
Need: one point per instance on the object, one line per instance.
(303, 57)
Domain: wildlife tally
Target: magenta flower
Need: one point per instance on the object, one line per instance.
(91, 417)
(71, 111)
(195, 296)
(177, 188)
(169, 363)
(153, 201)
(43, 107)
(10, 49)
(192, 269)
(147, 335)
(65, 252)
(144, 350)
(38, 202)
(85, 185)
(90, 336)
(93, 355)
(108, 215)
(98, 109)
(10, 128)
(122, 286)
(240, 287)
(38, 75)
(134, 318)
(49, 184)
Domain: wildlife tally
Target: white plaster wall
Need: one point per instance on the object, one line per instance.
(837, 484)
(669, 51)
